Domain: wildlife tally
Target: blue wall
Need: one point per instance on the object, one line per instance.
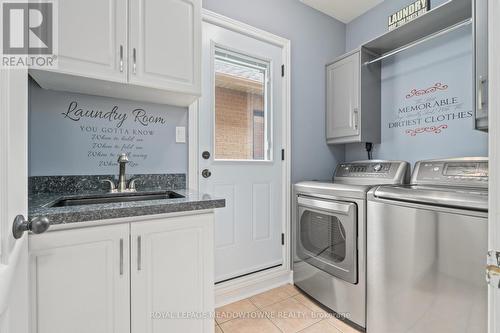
(316, 39)
(446, 60)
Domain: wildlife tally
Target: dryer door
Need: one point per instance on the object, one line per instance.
(327, 236)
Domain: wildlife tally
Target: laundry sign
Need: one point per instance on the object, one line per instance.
(105, 133)
(76, 134)
(408, 13)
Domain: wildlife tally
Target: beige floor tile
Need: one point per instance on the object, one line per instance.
(313, 306)
(234, 310)
(322, 327)
(290, 289)
(270, 297)
(250, 325)
(290, 315)
(343, 327)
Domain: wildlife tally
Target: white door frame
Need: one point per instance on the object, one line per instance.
(494, 154)
(246, 286)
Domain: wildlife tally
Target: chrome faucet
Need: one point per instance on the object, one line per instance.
(122, 179)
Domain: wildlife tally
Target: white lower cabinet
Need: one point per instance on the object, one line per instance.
(77, 283)
(145, 277)
(172, 275)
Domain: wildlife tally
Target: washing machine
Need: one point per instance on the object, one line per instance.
(426, 250)
(329, 229)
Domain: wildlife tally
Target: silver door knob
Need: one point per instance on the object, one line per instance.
(206, 173)
(37, 225)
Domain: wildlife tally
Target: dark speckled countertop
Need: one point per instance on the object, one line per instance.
(39, 205)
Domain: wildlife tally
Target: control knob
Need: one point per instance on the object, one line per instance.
(377, 167)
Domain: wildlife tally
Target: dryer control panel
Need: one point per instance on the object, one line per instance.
(470, 172)
(372, 172)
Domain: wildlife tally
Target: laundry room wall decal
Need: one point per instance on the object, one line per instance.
(428, 110)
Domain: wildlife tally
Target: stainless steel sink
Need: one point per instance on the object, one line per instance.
(114, 198)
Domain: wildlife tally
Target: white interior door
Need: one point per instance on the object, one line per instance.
(240, 126)
(13, 199)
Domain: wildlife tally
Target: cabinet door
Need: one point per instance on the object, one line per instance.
(93, 38)
(342, 115)
(480, 38)
(172, 274)
(165, 44)
(80, 281)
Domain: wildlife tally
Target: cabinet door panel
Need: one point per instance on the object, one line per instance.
(76, 283)
(90, 35)
(342, 117)
(480, 38)
(166, 36)
(172, 273)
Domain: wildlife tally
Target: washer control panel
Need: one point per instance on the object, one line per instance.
(471, 172)
(372, 172)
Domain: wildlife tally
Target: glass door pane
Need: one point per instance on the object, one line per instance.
(323, 236)
(242, 112)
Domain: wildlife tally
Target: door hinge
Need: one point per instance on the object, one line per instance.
(282, 70)
(493, 269)
(282, 154)
(282, 239)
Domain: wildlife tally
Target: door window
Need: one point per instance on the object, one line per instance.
(242, 112)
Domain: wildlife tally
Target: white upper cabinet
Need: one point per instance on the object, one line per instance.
(353, 99)
(165, 44)
(145, 50)
(343, 81)
(93, 38)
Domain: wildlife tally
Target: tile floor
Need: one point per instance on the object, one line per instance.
(285, 309)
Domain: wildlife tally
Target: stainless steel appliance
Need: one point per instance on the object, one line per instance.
(427, 244)
(329, 234)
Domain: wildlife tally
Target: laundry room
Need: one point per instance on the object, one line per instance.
(235, 166)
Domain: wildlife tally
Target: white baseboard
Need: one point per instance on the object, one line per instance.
(248, 286)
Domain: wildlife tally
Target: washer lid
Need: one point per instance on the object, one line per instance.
(454, 197)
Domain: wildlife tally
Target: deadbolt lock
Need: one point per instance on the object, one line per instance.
(206, 173)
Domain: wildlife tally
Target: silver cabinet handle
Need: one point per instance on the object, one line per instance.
(134, 66)
(121, 256)
(37, 225)
(139, 253)
(355, 117)
(121, 58)
(480, 102)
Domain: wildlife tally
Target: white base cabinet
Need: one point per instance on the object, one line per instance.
(77, 282)
(147, 276)
(172, 275)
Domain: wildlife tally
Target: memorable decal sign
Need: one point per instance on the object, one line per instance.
(428, 111)
(409, 13)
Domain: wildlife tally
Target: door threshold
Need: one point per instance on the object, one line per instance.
(252, 284)
(247, 274)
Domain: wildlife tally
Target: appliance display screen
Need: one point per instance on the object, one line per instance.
(464, 169)
(358, 168)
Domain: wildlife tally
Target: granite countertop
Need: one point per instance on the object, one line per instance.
(39, 205)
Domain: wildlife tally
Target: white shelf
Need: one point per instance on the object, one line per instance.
(438, 19)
